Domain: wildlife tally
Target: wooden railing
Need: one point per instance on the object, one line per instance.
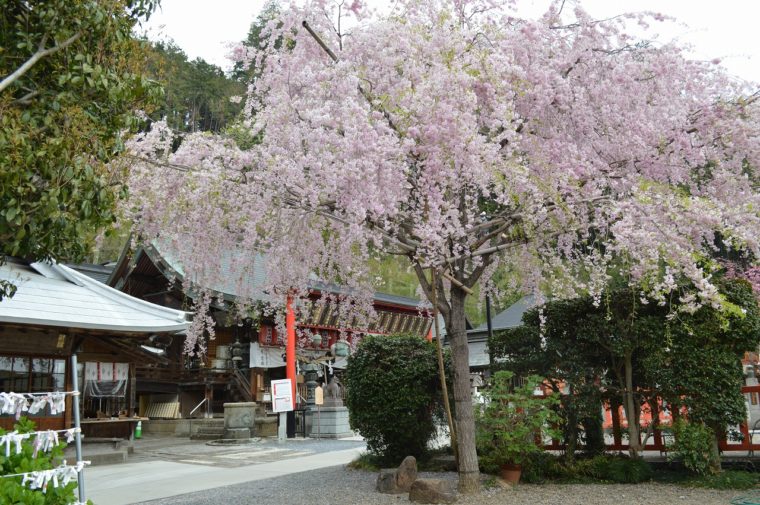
(242, 383)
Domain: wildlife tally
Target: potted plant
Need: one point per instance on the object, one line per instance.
(511, 422)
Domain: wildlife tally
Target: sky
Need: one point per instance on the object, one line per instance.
(726, 29)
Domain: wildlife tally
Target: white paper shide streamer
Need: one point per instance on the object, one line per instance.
(18, 403)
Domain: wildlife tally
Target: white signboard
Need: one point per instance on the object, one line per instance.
(282, 396)
(265, 357)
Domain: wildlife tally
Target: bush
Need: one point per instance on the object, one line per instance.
(545, 467)
(624, 470)
(542, 467)
(11, 489)
(693, 446)
(730, 479)
(393, 389)
(366, 462)
(511, 420)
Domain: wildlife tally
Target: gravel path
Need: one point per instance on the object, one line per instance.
(341, 486)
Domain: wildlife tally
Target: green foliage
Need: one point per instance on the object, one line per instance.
(62, 120)
(625, 470)
(366, 462)
(700, 368)
(271, 10)
(692, 360)
(730, 479)
(564, 358)
(510, 421)
(392, 393)
(693, 445)
(394, 276)
(11, 490)
(540, 468)
(197, 94)
(545, 467)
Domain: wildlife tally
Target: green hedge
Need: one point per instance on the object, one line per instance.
(393, 393)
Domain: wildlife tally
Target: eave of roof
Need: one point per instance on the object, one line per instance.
(59, 296)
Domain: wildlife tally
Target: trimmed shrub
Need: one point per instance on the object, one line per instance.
(392, 394)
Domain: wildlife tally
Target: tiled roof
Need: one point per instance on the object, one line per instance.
(509, 318)
(245, 274)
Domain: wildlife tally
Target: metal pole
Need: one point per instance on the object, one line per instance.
(77, 424)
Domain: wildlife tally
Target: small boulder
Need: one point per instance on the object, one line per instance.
(386, 482)
(406, 473)
(432, 491)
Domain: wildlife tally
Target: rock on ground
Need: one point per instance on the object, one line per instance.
(432, 491)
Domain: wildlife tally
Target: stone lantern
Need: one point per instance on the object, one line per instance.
(310, 377)
(237, 350)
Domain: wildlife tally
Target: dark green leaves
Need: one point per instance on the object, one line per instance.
(392, 388)
(61, 122)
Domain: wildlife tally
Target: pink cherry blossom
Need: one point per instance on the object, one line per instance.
(468, 140)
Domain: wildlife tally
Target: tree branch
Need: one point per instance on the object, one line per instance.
(474, 276)
(41, 53)
(26, 99)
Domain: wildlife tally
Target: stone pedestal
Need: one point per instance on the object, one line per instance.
(329, 422)
(239, 420)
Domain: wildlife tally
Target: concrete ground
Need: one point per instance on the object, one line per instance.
(161, 467)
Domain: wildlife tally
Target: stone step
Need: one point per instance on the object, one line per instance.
(201, 423)
(98, 457)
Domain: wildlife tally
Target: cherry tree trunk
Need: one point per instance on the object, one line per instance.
(464, 420)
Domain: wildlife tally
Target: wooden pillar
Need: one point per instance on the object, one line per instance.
(67, 417)
(290, 346)
(209, 395)
(131, 390)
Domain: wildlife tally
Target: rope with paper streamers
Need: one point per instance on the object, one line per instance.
(44, 440)
(41, 479)
(18, 403)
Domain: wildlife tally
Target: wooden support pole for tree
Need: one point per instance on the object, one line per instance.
(442, 370)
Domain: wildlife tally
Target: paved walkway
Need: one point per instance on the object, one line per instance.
(164, 467)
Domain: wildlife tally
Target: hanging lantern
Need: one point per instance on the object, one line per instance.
(316, 339)
(341, 348)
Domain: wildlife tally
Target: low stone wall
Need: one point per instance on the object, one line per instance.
(265, 426)
(177, 427)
